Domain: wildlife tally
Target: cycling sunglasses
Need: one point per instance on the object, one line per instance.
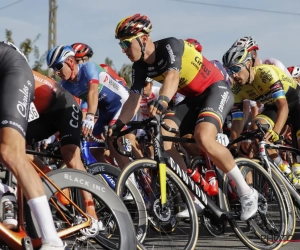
(234, 69)
(58, 66)
(126, 43)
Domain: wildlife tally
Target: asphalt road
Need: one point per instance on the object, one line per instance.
(208, 242)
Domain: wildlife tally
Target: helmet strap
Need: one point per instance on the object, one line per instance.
(71, 66)
(248, 69)
(143, 47)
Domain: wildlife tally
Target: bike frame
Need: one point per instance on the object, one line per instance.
(88, 158)
(163, 160)
(13, 239)
(264, 156)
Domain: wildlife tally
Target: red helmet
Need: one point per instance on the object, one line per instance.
(294, 71)
(132, 25)
(197, 45)
(82, 50)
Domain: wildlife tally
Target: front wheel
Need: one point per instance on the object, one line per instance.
(178, 198)
(268, 227)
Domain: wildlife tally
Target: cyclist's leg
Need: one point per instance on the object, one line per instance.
(67, 119)
(17, 88)
(215, 103)
(180, 117)
(174, 119)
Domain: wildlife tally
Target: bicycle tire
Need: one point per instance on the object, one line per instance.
(261, 244)
(70, 178)
(151, 164)
(290, 208)
(105, 168)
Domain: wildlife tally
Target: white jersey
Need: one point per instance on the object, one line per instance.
(277, 63)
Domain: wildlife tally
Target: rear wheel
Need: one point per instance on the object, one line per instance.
(114, 228)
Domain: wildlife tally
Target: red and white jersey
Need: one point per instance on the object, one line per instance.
(277, 63)
(143, 112)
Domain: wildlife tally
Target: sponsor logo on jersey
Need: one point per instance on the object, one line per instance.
(266, 76)
(171, 53)
(224, 99)
(23, 106)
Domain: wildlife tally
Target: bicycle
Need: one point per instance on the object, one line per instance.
(108, 173)
(74, 221)
(169, 171)
(290, 193)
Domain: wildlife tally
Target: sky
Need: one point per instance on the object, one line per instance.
(94, 22)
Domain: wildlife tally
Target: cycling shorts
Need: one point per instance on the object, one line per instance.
(16, 89)
(211, 106)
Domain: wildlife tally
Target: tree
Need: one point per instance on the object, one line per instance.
(28, 47)
(126, 73)
(110, 63)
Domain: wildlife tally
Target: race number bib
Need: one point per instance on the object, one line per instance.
(33, 113)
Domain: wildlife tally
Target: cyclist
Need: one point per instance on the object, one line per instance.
(92, 84)
(83, 53)
(57, 112)
(295, 73)
(270, 85)
(252, 47)
(179, 66)
(17, 89)
(193, 41)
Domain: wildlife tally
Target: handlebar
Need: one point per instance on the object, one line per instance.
(257, 133)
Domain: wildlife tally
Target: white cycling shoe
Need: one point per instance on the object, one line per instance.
(249, 205)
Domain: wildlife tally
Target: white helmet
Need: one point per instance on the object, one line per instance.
(247, 41)
(295, 71)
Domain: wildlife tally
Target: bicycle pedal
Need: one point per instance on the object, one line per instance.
(26, 243)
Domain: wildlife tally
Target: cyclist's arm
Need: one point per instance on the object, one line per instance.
(132, 104)
(282, 114)
(278, 95)
(92, 98)
(130, 107)
(237, 120)
(170, 84)
(246, 108)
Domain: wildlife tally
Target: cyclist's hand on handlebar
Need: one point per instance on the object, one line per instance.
(87, 125)
(158, 106)
(271, 135)
(116, 127)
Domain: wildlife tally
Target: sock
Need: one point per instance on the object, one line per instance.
(241, 185)
(42, 213)
(278, 160)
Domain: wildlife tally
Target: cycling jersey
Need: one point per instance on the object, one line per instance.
(113, 74)
(58, 111)
(277, 63)
(195, 71)
(112, 94)
(223, 71)
(270, 84)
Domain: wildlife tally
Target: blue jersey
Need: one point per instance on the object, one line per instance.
(112, 94)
